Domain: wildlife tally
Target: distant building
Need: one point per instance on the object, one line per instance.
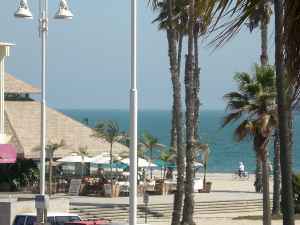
(22, 121)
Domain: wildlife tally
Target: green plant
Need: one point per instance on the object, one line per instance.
(21, 174)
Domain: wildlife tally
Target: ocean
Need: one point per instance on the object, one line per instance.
(225, 152)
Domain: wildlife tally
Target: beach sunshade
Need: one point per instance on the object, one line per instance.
(142, 163)
(100, 160)
(8, 154)
(115, 165)
(161, 163)
(104, 158)
(74, 158)
(198, 164)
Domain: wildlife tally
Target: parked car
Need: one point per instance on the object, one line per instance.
(52, 218)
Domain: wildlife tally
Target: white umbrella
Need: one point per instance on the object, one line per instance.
(99, 159)
(74, 158)
(141, 162)
(198, 164)
(104, 158)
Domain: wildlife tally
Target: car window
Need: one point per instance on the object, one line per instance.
(19, 220)
(50, 220)
(60, 220)
(30, 220)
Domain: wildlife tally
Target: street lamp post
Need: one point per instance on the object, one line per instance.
(133, 118)
(63, 13)
(4, 52)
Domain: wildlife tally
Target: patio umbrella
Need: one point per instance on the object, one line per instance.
(162, 164)
(8, 153)
(74, 158)
(142, 163)
(104, 158)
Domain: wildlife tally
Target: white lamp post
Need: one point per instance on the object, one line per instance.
(133, 118)
(4, 52)
(63, 12)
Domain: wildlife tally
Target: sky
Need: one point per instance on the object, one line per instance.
(89, 57)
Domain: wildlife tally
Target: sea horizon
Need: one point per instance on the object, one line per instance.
(225, 152)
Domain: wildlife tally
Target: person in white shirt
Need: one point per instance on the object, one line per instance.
(241, 169)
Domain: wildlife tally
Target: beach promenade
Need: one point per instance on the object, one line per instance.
(230, 198)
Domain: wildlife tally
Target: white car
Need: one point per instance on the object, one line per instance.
(52, 218)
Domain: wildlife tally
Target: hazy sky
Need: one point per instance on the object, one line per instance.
(89, 57)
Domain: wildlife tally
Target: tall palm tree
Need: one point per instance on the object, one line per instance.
(174, 61)
(51, 147)
(260, 16)
(177, 29)
(150, 143)
(188, 208)
(282, 99)
(286, 41)
(254, 106)
(110, 131)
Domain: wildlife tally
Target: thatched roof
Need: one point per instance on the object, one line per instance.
(13, 85)
(23, 121)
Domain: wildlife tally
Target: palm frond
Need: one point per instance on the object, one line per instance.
(245, 129)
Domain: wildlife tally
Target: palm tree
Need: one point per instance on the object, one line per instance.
(261, 16)
(188, 208)
(204, 151)
(286, 41)
(51, 147)
(110, 131)
(167, 156)
(174, 59)
(82, 152)
(284, 110)
(150, 142)
(254, 104)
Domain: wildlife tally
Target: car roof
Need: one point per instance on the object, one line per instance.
(49, 214)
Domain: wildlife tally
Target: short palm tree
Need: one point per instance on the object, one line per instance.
(110, 131)
(253, 107)
(150, 143)
(82, 152)
(167, 157)
(51, 147)
(203, 151)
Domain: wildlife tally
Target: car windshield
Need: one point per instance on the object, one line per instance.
(20, 220)
(60, 220)
(30, 220)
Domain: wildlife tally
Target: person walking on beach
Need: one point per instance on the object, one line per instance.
(241, 169)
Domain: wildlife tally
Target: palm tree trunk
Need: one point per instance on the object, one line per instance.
(173, 143)
(258, 175)
(171, 36)
(204, 177)
(196, 83)
(181, 35)
(178, 197)
(188, 209)
(110, 165)
(173, 128)
(264, 39)
(50, 176)
(283, 116)
(276, 176)
(151, 156)
(266, 191)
